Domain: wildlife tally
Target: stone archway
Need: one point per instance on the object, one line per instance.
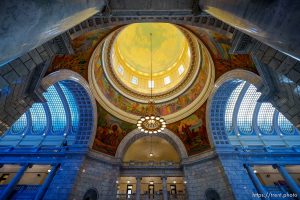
(219, 137)
(168, 135)
(66, 74)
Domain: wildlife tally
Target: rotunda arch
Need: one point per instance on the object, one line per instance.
(137, 134)
(66, 118)
(219, 137)
(236, 115)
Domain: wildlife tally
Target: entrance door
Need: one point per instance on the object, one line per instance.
(129, 191)
(173, 189)
(151, 191)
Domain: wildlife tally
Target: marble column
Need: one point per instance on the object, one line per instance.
(138, 188)
(28, 24)
(275, 23)
(43, 188)
(165, 189)
(291, 183)
(260, 188)
(13, 183)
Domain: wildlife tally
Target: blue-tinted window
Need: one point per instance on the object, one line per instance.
(39, 118)
(265, 118)
(230, 106)
(58, 114)
(285, 125)
(245, 114)
(20, 125)
(72, 105)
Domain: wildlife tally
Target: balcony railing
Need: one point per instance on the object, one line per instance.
(152, 197)
(151, 164)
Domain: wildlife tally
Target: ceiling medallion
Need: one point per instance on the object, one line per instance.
(151, 123)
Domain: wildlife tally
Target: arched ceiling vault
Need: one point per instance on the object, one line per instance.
(134, 135)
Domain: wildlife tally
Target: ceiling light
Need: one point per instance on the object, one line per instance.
(150, 123)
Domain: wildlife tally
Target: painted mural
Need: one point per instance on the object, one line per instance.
(110, 132)
(83, 47)
(191, 130)
(130, 106)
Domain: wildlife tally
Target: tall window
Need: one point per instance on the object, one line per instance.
(57, 110)
(245, 114)
(265, 118)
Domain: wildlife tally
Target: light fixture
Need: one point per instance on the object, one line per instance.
(174, 182)
(151, 153)
(128, 181)
(255, 171)
(151, 123)
(151, 182)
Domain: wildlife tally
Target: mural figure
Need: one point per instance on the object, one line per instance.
(110, 132)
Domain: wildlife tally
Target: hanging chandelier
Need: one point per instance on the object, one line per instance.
(151, 123)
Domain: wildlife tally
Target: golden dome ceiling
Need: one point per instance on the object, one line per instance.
(184, 71)
(132, 47)
(131, 57)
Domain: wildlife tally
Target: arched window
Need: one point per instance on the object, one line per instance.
(57, 110)
(248, 122)
(246, 110)
(39, 118)
(265, 118)
(72, 105)
(20, 125)
(66, 118)
(285, 125)
(231, 105)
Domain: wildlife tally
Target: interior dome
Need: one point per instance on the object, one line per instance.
(131, 57)
(132, 47)
(181, 82)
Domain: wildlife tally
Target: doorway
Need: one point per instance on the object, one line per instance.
(151, 191)
(129, 191)
(173, 189)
